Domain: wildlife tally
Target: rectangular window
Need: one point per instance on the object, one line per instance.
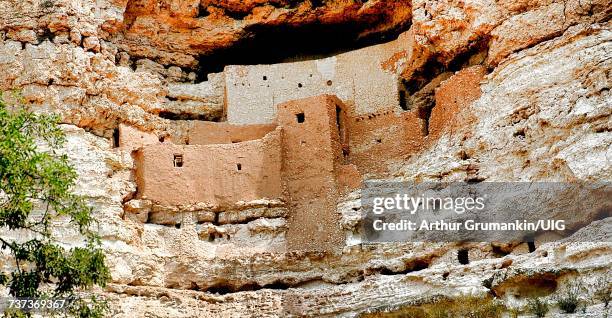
(300, 117)
(178, 161)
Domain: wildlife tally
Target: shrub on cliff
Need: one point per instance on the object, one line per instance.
(538, 307)
(36, 196)
(568, 301)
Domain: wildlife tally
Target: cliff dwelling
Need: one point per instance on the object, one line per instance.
(220, 158)
(299, 133)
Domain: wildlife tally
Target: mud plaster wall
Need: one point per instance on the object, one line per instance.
(381, 139)
(364, 79)
(220, 175)
(205, 133)
(312, 153)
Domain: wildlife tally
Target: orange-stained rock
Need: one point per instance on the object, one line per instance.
(131, 138)
(180, 31)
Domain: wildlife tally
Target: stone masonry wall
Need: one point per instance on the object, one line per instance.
(363, 79)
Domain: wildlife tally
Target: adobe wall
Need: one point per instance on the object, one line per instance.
(364, 79)
(220, 175)
(312, 154)
(378, 140)
(206, 133)
(383, 139)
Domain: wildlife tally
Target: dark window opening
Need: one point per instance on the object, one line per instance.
(300, 85)
(239, 166)
(265, 78)
(462, 257)
(379, 140)
(531, 246)
(339, 122)
(178, 161)
(116, 137)
(403, 100)
(236, 141)
(329, 83)
(300, 117)
(177, 225)
(162, 138)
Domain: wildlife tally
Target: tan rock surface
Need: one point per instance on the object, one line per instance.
(542, 113)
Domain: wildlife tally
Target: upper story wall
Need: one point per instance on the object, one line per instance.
(207, 133)
(220, 174)
(314, 136)
(366, 80)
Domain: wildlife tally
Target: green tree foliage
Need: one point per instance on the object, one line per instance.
(36, 190)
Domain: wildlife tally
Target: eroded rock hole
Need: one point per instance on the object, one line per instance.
(273, 44)
(403, 100)
(226, 288)
(520, 134)
(531, 246)
(116, 137)
(221, 289)
(463, 256)
(188, 116)
(412, 266)
(203, 12)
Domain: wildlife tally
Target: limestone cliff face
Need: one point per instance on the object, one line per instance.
(541, 111)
